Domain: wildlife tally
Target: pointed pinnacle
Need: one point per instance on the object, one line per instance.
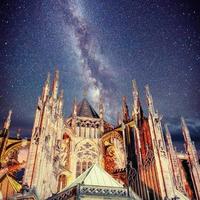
(62, 94)
(101, 102)
(8, 120)
(166, 129)
(124, 99)
(48, 78)
(183, 121)
(101, 98)
(135, 88)
(185, 130)
(9, 114)
(148, 93)
(56, 76)
(168, 135)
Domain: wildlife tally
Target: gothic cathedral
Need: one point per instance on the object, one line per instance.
(85, 157)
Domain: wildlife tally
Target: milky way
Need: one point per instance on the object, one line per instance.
(92, 68)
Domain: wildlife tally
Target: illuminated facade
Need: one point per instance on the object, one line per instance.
(70, 157)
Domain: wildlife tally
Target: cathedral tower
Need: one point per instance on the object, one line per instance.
(87, 127)
(43, 159)
(137, 112)
(159, 149)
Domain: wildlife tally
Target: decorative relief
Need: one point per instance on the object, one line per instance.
(36, 135)
(149, 158)
(132, 173)
(102, 191)
(162, 149)
(62, 151)
(114, 153)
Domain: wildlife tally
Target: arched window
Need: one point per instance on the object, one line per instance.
(65, 136)
(78, 168)
(86, 155)
(62, 182)
(89, 164)
(84, 166)
(85, 130)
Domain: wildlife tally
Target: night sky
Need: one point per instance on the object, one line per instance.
(102, 45)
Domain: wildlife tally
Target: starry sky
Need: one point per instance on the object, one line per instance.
(101, 45)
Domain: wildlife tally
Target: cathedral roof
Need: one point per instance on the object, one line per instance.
(95, 181)
(96, 176)
(86, 110)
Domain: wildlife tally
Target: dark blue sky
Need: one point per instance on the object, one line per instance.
(102, 45)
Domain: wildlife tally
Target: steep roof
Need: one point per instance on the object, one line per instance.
(86, 110)
(95, 176)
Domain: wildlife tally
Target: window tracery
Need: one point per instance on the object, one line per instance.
(87, 155)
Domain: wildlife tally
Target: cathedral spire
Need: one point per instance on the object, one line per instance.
(101, 113)
(135, 87)
(48, 79)
(185, 131)
(162, 163)
(135, 96)
(137, 110)
(74, 112)
(8, 120)
(55, 85)
(46, 88)
(44, 145)
(61, 98)
(168, 138)
(101, 108)
(149, 100)
(62, 94)
(125, 112)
